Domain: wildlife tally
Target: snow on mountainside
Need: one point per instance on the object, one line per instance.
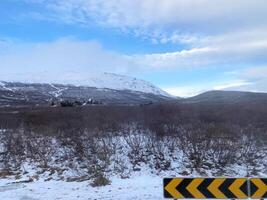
(97, 80)
(105, 88)
(119, 82)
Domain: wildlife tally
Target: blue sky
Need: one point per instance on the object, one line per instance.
(183, 46)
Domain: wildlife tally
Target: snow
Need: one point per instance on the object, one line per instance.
(119, 82)
(58, 91)
(3, 86)
(138, 187)
(99, 80)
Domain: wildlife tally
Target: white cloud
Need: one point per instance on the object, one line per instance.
(253, 86)
(186, 91)
(215, 34)
(70, 59)
(72, 54)
(196, 57)
(259, 72)
(192, 90)
(232, 84)
(255, 76)
(59, 56)
(222, 32)
(242, 47)
(141, 13)
(162, 20)
(69, 54)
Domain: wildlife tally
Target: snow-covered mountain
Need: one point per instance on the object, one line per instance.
(105, 88)
(94, 79)
(119, 82)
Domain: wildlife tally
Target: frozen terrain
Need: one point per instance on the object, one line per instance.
(138, 187)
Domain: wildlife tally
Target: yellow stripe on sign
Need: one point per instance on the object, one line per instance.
(262, 188)
(171, 188)
(192, 188)
(214, 188)
(235, 188)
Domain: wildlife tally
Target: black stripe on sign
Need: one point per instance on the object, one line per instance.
(244, 188)
(203, 188)
(224, 188)
(265, 182)
(166, 194)
(253, 188)
(182, 188)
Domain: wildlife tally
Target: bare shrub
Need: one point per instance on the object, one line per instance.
(251, 152)
(100, 180)
(97, 140)
(13, 149)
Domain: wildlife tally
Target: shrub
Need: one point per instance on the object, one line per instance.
(66, 104)
(100, 180)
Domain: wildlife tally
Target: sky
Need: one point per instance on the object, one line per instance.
(184, 47)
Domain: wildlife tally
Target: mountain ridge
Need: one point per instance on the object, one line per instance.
(223, 96)
(98, 80)
(44, 94)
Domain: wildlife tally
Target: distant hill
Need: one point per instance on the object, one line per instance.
(226, 97)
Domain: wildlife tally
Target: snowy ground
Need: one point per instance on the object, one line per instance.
(138, 187)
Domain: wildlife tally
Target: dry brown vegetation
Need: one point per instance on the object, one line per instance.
(204, 137)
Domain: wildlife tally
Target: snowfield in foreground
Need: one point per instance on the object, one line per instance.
(138, 187)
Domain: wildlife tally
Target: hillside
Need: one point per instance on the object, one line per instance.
(111, 89)
(227, 97)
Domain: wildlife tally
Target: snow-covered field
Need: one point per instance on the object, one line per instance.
(134, 163)
(137, 187)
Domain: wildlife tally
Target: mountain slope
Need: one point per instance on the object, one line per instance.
(94, 79)
(24, 94)
(119, 82)
(226, 97)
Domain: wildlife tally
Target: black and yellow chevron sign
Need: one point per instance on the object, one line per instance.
(258, 188)
(206, 188)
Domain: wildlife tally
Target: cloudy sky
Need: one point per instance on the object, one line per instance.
(183, 46)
